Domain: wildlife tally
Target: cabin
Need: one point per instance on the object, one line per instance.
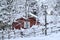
(24, 22)
(21, 23)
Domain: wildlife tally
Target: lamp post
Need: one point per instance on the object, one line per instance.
(45, 20)
(45, 8)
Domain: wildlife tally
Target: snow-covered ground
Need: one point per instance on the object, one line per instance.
(34, 33)
(54, 36)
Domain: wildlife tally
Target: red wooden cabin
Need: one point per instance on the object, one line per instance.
(20, 22)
